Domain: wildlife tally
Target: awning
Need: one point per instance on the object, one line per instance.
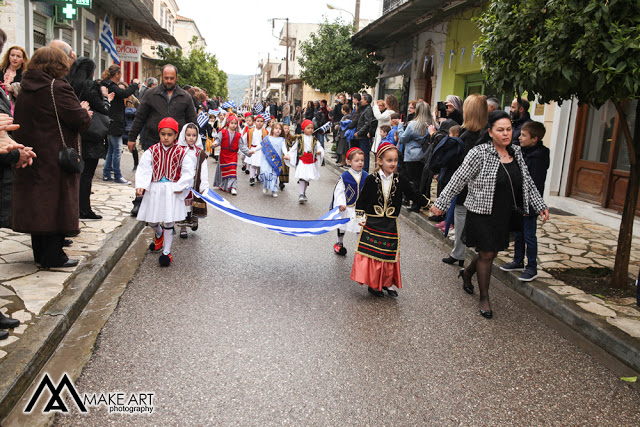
(407, 20)
(139, 18)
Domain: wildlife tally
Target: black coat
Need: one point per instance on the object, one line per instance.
(116, 113)
(517, 127)
(364, 121)
(92, 147)
(156, 106)
(7, 164)
(537, 161)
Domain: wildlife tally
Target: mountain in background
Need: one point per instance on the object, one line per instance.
(237, 84)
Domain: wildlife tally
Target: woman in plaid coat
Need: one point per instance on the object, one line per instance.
(500, 192)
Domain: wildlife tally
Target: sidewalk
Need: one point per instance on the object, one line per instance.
(567, 241)
(48, 301)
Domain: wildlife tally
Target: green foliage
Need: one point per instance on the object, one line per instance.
(198, 69)
(563, 48)
(332, 64)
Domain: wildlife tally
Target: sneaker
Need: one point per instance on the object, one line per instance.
(107, 178)
(274, 195)
(264, 191)
(528, 275)
(234, 192)
(121, 180)
(302, 199)
(90, 216)
(513, 266)
(252, 181)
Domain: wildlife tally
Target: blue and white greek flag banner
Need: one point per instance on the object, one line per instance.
(266, 116)
(324, 128)
(289, 227)
(107, 41)
(258, 108)
(228, 104)
(203, 118)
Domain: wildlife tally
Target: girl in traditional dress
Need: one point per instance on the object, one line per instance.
(273, 148)
(190, 140)
(163, 178)
(306, 155)
(376, 262)
(346, 194)
(288, 139)
(248, 119)
(253, 138)
(230, 141)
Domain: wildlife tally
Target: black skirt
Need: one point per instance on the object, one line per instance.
(490, 233)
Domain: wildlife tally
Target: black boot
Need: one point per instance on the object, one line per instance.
(136, 206)
(8, 323)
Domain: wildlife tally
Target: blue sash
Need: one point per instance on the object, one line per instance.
(352, 188)
(272, 156)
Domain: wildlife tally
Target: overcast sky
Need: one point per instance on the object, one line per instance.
(239, 33)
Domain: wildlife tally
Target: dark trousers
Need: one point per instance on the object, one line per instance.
(528, 237)
(414, 173)
(86, 177)
(47, 249)
(365, 146)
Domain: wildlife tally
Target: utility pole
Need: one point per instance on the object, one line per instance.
(286, 71)
(356, 18)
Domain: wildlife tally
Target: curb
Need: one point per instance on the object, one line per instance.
(23, 364)
(594, 328)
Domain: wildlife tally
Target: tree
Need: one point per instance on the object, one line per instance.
(198, 69)
(560, 49)
(332, 64)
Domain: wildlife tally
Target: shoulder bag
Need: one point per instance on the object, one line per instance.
(199, 206)
(68, 158)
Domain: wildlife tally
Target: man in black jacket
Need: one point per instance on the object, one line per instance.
(519, 116)
(165, 100)
(362, 137)
(117, 124)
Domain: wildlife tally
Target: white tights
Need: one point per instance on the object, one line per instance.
(303, 186)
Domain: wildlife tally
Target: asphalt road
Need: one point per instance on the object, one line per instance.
(248, 327)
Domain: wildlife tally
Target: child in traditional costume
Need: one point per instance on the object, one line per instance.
(273, 148)
(346, 194)
(254, 138)
(306, 155)
(376, 262)
(288, 139)
(163, 178)
(190, 140)
(248, 119)
(230, 141)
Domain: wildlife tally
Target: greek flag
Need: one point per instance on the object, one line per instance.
(289, 227)
(203, 118)
(258, 108)
(107, 41)
(324, 128)
(266, 116)
(228, 104)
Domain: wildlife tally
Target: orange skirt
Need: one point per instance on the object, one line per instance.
(374, 273)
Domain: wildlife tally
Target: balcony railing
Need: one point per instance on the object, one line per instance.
(389, 5)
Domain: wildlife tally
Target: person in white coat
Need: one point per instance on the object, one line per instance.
(383, 118)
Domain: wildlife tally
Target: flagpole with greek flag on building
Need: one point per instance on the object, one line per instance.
(107, 41)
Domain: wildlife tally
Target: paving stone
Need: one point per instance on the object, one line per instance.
(2, 354)
(626, 310)
(577, 246)
(630, 326)
(553, 257)
(11, 246)
(543, 274)
(572, 264)
(20, 329)
(24, 256)
(548, 265)
(6, 292)
(570, 251)
(582, 260)
(13, 270)
(585, 298)
(567, 290)
(22, 315)
(36, 290)
(625, 301)
(4, 302)
(599, 309)
(10, 340)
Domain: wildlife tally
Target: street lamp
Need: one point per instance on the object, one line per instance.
(356, 17)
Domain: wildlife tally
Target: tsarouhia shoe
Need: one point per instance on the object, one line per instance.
(165, 260)
(339, 249)
(158, 243)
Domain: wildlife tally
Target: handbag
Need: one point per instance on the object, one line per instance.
(68, 158)
(199, 206)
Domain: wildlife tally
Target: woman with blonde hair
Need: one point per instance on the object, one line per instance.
(13, 64)
(411, 141)
(383, 118)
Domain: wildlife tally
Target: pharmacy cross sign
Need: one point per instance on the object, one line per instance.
(69, 8)
(69, 11)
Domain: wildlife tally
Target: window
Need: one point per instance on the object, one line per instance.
(598, 134)
(631, 112)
